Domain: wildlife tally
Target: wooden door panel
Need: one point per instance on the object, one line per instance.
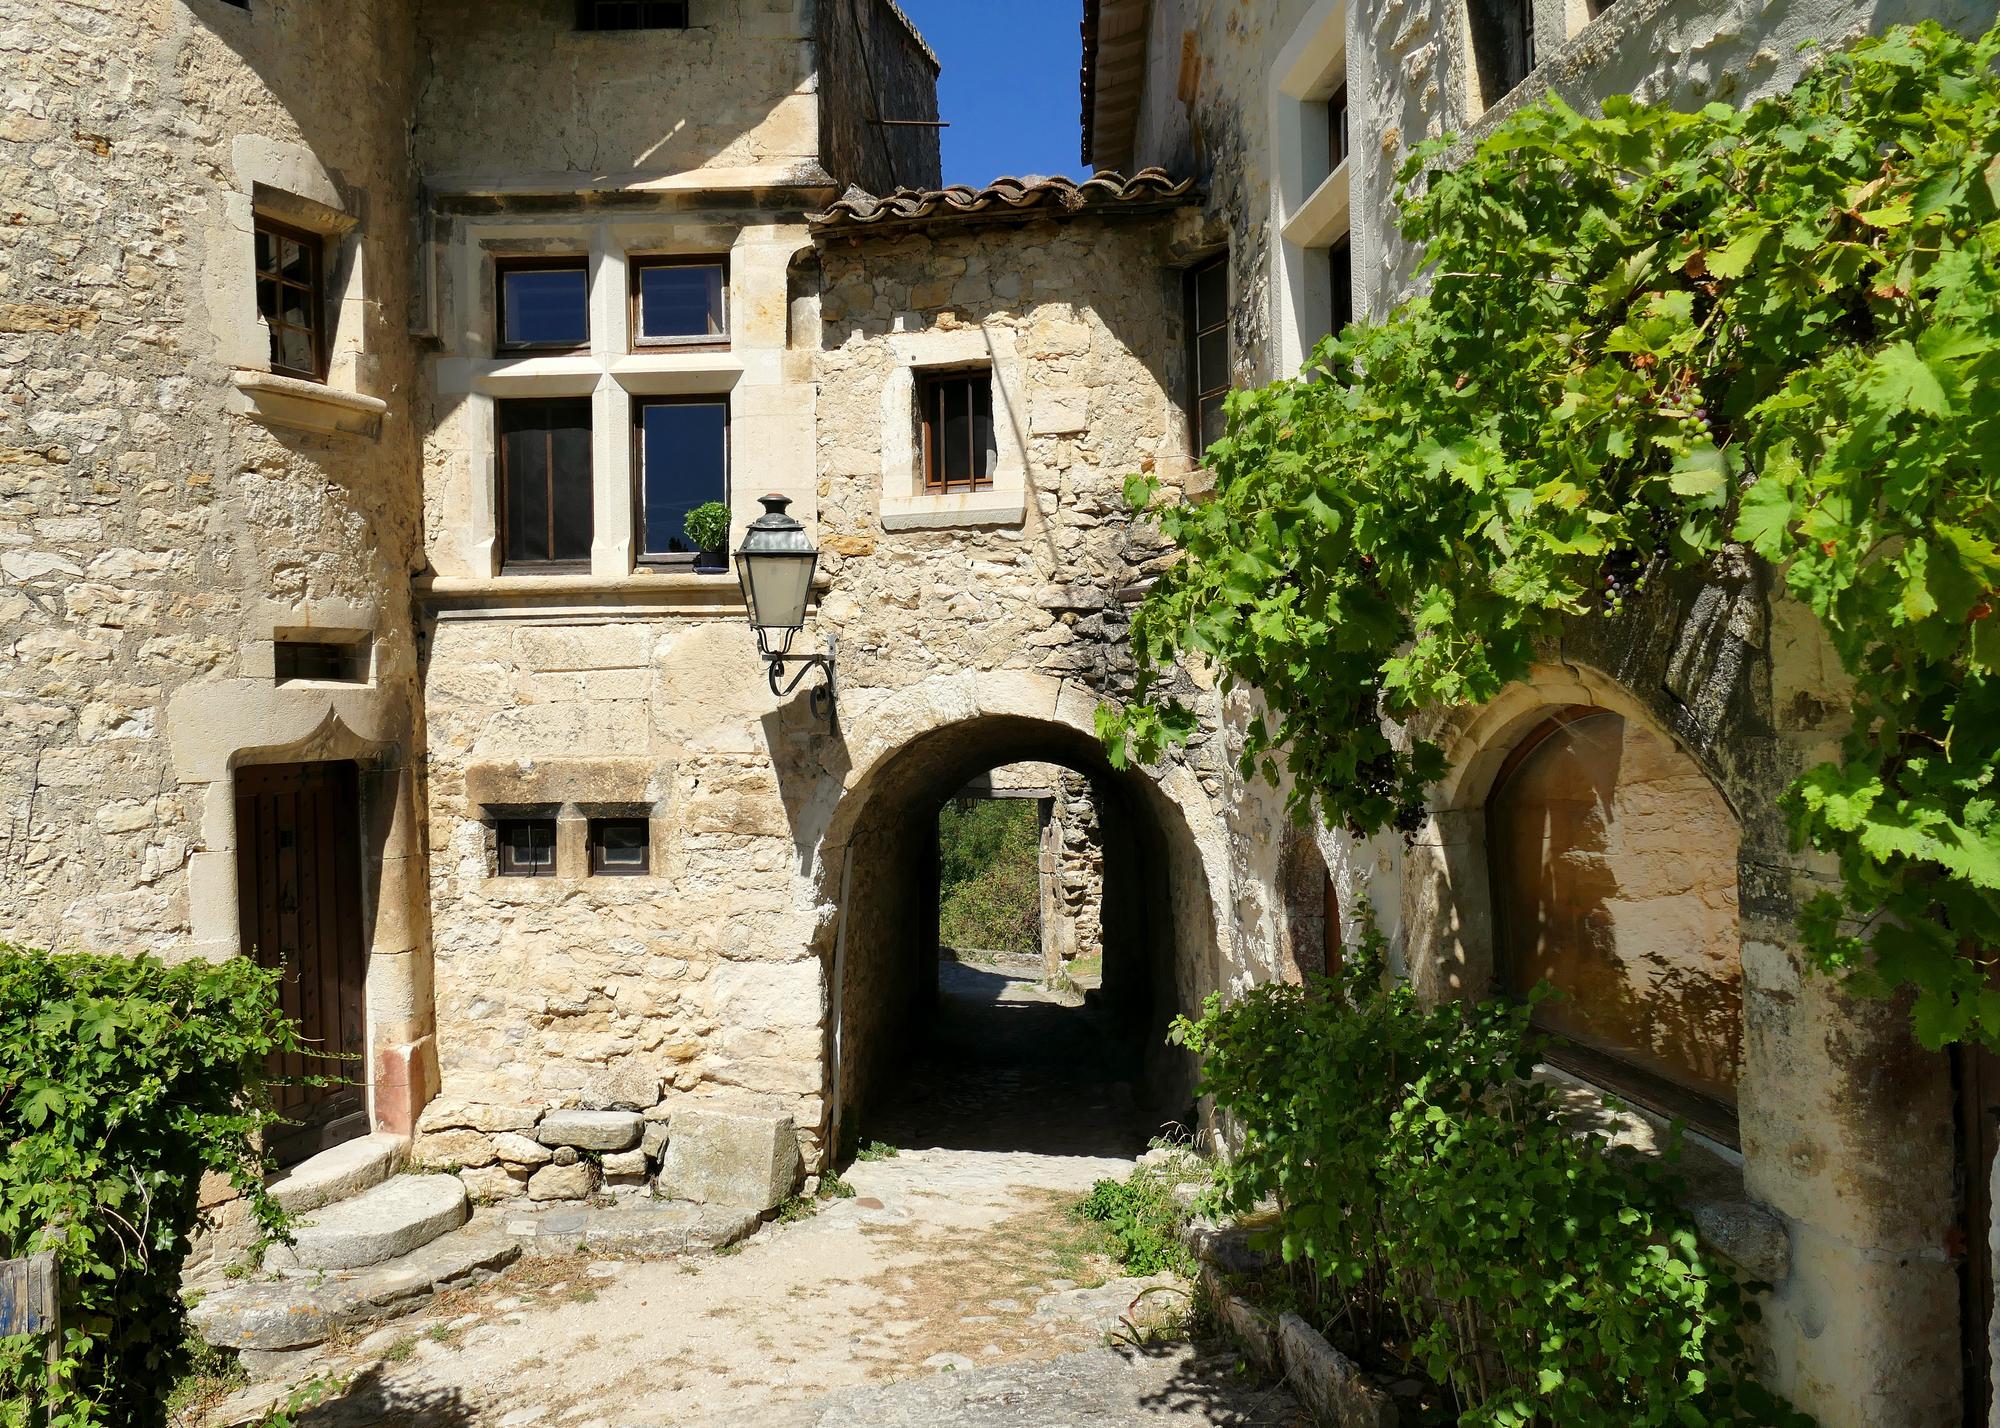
(300, 904)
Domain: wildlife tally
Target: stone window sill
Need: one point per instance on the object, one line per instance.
(719, 595)
(971, 508)
(310, 406)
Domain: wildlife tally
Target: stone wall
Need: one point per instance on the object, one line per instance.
(165, 506)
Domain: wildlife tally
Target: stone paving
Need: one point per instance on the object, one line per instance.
(948, 1291)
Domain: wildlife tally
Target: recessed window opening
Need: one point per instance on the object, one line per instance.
(291, 296)
(1336, 129)
(525, 847)
(1503, 44)
(683, 459)
(1614, 879)
(339, 661)
(543, 303)
(960, 452)
(679, 301)
(1207, 319)
(545, 483)
(1340, 280)
(632, 14)
(620, 847)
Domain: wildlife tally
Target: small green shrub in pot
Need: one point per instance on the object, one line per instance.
(708, 527)
(122, 1082)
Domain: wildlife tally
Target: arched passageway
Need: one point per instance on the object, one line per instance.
(976, 1058)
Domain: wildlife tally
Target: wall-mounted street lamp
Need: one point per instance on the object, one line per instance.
(775, 565)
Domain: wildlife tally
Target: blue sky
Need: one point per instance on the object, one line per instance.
(1009, 84)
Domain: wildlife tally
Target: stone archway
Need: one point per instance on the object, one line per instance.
(1163, 856)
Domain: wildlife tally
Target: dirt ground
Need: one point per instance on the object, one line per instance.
(952, 1287)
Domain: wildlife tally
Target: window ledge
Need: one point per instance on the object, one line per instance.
(969, 508)
(309, 406)
(1322, 218)
(676, 592)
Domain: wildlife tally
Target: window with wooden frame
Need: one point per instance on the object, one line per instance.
(542, 304)
(1503, 45)
(620, 847)
(681, 448)
(1207, 321)
(291, 296)
(544, 477)
(632, 14)
(1613, 865)
(679, 302)
(1336, 129)
(525, 847)
(959, 450)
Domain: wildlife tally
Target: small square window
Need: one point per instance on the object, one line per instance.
(675, 301)
(620, 847)
(527, 847)
(343, 661)
(544, 303)
(959, 449)
(632, 14)
(291, 296)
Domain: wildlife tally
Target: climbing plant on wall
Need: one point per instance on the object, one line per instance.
(1647, 336)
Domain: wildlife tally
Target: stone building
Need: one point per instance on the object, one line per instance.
(1612, 823)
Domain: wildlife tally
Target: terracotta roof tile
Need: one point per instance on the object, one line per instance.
(1007, 198)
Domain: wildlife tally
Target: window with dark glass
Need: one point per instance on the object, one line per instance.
(632, 14)
(1613, 862)
(960, 453)
(677, 301)
(1207, 320)
(527, 847)
(620, 847)
(545, 495)
(683, 455)
(1340, 280)
(341, 660)
(1503, 44)
(291, 296)
(544, 303)
(1336, 129)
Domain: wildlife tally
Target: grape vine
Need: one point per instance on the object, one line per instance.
(1647, 336)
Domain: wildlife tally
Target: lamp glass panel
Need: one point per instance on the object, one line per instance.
(777, 587)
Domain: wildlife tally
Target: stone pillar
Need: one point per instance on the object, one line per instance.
(401, 1007)
(1073, 874)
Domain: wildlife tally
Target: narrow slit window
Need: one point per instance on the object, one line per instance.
(676, 302)
(291, 296)
(544, 304)
(1503, 45)
(632, 14)
(340, 661)
(1340, 280)
(960, 453)
(1207, 322)
(683, 456)
(620, 847)
(1336, 129)
(526, 847)
(545, 495)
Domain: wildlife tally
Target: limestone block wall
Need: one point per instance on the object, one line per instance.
(166, 507)
(516, 93)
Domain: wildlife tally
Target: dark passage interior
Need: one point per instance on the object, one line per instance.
(935, 1050)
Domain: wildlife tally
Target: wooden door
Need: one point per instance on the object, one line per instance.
(299, 898)
(1978, 1076)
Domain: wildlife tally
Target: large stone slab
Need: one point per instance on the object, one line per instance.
(296, 1313)
(730, 1155)
(394, 1218)
(591, 1130)
(662, 1231)
(340, 1173)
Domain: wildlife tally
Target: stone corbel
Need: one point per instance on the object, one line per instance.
(309, 406)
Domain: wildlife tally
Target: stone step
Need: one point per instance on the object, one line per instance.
(341, 1173)
(648, 1230)
(394, 1218)
(276, 1315)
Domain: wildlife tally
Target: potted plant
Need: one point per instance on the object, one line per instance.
(708, 528)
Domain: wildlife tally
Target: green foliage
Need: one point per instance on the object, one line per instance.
(1436, 1203)
(1649, 335)
(877, 1150)
(1143, 1221)
(707, 526)
(122, 1081)
(989, 878)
